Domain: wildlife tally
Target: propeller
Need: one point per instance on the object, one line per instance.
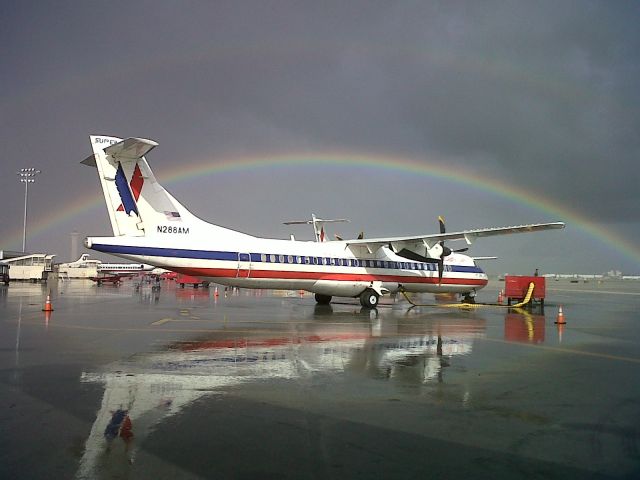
(446, 251)
(438, 252)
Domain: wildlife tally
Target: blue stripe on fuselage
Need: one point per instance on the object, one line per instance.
(257, 258)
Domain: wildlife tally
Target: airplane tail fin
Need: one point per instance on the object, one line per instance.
(137, 204)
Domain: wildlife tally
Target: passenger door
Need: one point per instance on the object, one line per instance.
(244, 265)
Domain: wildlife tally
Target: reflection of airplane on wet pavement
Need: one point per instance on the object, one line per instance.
(141, 391)
(150, 225)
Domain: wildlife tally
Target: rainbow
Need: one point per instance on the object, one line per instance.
(338, 160)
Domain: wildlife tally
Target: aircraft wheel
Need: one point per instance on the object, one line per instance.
(323, 299)
(369, 299)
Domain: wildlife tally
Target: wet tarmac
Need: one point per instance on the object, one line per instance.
(119, 382)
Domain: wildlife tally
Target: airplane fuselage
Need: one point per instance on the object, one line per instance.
(327, 268)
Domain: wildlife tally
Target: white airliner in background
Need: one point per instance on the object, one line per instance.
(124, 268)
(103, 267)
(151, 226)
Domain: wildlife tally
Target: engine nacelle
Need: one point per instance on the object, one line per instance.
(435, 251)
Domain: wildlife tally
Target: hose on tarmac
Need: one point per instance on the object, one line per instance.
(520, 304)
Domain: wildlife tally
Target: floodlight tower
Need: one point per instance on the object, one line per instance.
(27, 176)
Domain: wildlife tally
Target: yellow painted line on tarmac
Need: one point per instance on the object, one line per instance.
(161, 321)
(570, 351)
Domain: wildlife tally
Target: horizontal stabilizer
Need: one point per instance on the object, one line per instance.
(90, 161)
(131, 148)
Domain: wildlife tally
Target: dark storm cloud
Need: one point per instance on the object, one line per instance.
(538, 94)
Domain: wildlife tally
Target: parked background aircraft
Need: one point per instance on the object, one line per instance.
(124, 268)
(104, 267)
(151, 226)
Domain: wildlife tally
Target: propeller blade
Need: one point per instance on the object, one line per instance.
(440, 270)
(361, 236)
(460, 250)
(441, 222)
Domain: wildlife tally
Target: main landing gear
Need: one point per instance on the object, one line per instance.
(369, 298)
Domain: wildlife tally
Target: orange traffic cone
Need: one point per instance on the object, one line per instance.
(500, 297)
(560, 318)
(215, 293)
(48, 307)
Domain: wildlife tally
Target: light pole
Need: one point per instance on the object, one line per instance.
(27, 176)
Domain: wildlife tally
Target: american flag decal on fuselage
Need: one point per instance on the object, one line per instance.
(172, 216)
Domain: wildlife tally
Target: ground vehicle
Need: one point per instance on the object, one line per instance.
(183, 280)
(4, 273)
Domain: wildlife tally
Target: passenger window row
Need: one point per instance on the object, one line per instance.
(341, 262)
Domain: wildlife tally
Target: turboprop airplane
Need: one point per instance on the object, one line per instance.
(151, 226)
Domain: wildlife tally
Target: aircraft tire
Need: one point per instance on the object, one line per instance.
(323, 299)
(369, 299)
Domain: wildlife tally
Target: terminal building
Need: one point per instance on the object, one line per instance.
(34, 267)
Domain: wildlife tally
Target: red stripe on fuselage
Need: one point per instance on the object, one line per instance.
(340, 277)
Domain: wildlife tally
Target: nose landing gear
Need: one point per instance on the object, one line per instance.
(469, 297)
(323, 299)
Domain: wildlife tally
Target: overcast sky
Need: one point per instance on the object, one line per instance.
(541, 96)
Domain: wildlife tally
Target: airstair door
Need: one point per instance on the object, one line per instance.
(244, 265)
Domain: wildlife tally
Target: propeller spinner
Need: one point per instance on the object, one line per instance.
(437, 253)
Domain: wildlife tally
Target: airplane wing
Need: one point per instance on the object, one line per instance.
(421, 241)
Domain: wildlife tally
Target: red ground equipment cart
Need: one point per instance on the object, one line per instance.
(516, 287)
